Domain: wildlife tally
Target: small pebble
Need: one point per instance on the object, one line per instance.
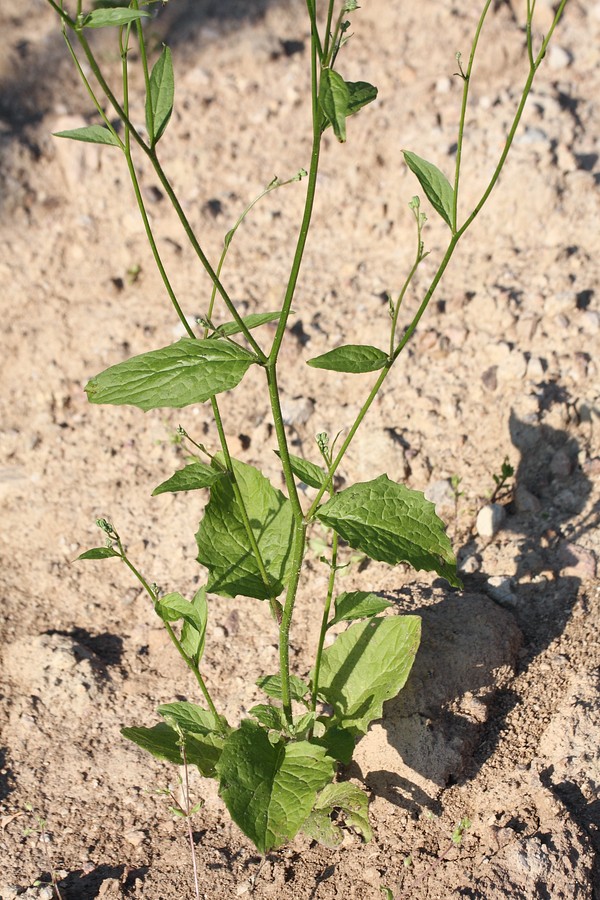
(525, 501)
(560, 464)
(576, 561)
(500, 588)
(135, 837)
(490, 520)
(470, 564)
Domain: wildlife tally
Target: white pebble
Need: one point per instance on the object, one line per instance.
(500, 588)
(490, 520)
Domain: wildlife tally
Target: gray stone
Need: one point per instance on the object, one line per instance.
(525, 501)
(500, 588)
(576, 561)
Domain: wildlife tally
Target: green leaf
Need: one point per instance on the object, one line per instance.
(391, 523)
(366, 665)
(98, 553)
(354, 805)
(91, 134)
(361, 93)
(192, 636)
(190, 718)
(163, 741)
(271, 685)
(334, 97)
(355, 358)
(183, 373)
(159, 100)
(338, 742)
(251, 321)
(196, 475)
(173, 607)
(223, 544)
(270, 789)
(101, 18)
(438, 189)
(357, 605)
(271, 717)
(306, 471)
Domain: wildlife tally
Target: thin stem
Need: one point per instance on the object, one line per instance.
(140, 200)
(419, 257)
(188, 818)
(328, 42)
(144, 58)
(443, 265)
(201, 255)
(169, 629)
(325, 619)
(463, 111)
(151, 154)
(312, 13)
(282, 444)
(298, 544)
(306, 217)
(90, 91)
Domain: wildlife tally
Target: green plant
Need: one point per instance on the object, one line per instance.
(41, 830)
(277, 770)
(502, 479)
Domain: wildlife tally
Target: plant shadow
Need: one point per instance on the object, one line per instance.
(449, 718)
(81, 886)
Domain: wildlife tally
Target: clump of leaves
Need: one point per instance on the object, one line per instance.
(276, 770)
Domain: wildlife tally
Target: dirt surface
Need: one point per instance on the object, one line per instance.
(500, 721)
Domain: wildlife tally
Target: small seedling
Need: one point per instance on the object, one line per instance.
(276, 770)
(41, 830)
(503, 488)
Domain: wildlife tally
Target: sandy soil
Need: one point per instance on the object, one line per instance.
(500, 720)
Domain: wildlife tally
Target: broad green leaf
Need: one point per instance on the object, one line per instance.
(307, 471)
(270, 788)
(357, 605)
(183, 373)
(355, 358)
(366, 665)
(159, 100)
(193, 630)
(98, 553)
(100, 18)
(163, 741)
(271, 717)
(361, 93)
(438, 189)
(191, 478)
(354, 805)
(334, 97)
(173, 607)
(302, 724)
(223, 544)
(391, 523)
(91, 134)
(338, 742)
(190, 718)
(251, 321)
(271, 685)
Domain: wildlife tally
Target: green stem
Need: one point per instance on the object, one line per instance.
(151, 154)
(418, 259)
(189, 663)
(443, 265)
(306, 217)
(325, 620)
(463, 111)
(298, 545)
(144, 58)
